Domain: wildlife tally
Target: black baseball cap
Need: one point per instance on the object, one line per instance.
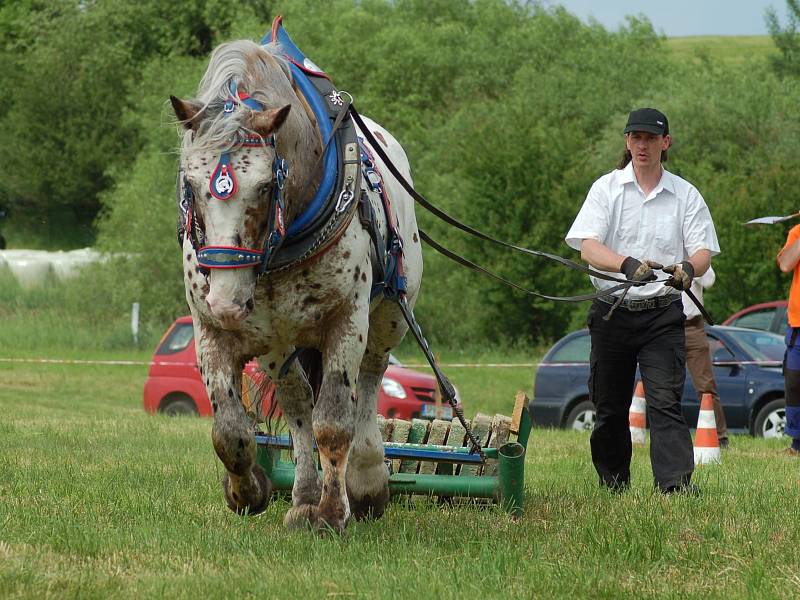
(649, 120)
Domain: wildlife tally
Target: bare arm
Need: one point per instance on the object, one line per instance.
(601, 256)
(788, 257)
(700, 260)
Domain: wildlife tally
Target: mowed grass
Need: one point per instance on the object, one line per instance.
(99, 500)
(722, 48)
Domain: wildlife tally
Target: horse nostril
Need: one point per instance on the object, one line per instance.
(249, 304)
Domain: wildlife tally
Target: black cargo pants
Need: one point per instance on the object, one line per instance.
(655, 339)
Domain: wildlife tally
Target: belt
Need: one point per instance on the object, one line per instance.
(645, 303)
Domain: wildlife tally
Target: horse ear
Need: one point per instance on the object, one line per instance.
(186, 112)
(264, 123)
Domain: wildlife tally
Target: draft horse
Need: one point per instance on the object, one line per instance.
(279, 260)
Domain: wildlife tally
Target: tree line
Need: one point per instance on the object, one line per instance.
(507, 110)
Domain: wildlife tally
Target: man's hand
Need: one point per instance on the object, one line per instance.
(682, 275)
(636, 270)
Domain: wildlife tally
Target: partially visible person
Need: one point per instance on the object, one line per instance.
(698, 355)
(788, 259)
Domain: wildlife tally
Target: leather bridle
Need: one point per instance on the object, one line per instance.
(222, 186)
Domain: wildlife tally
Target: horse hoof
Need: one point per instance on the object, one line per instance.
(308, 517)
(253, 500)
(369, 506)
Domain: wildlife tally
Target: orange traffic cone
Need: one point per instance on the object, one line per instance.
(706, 443)
(636, 416)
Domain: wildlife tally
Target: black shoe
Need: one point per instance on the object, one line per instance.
(723, 443)
(684, 489)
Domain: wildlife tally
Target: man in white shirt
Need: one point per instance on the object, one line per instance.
(698, 355)
(634, 220)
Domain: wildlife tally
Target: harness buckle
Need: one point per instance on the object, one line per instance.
(373, 179)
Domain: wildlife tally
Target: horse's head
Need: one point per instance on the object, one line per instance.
(236, 158)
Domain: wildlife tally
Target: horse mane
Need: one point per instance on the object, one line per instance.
(260, 71)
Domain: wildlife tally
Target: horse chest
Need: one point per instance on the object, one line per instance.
(300, 306)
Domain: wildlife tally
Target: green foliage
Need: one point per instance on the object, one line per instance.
(65, 319)
(508, 112)
(513, 164)
(67, 93)
(786, 39)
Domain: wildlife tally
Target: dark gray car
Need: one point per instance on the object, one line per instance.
(747, 368)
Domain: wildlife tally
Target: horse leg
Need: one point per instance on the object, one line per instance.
(295, 399)
(245, 485)
(334, 426)
(367, 476)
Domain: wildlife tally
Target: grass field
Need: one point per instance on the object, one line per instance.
(99, 500)
(722, 48)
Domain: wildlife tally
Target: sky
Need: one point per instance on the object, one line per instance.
(676, 18)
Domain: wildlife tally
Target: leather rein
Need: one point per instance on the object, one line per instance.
(622, 284)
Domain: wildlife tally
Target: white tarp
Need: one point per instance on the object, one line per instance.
(37, 267)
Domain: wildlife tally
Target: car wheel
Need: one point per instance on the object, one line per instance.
(581, 417)
(771, 419)
(177, 406)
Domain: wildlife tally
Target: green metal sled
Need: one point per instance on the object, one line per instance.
(430, 458)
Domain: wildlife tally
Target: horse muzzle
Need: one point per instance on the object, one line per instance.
(230, 300)
(230, 315)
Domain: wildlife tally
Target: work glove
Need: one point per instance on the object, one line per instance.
(682, 275)
(636, 270)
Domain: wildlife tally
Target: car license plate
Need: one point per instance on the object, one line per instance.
(429, 410)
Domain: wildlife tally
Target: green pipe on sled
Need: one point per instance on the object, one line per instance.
(507, 487)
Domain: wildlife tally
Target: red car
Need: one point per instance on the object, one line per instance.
(768, 316)
(174, 387)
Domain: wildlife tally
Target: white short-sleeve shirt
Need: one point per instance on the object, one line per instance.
(668, 225)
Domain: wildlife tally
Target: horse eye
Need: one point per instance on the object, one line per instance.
(264, 189)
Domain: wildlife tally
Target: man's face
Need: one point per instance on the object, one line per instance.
(646, 148)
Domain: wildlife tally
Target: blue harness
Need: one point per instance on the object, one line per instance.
(301, 67)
